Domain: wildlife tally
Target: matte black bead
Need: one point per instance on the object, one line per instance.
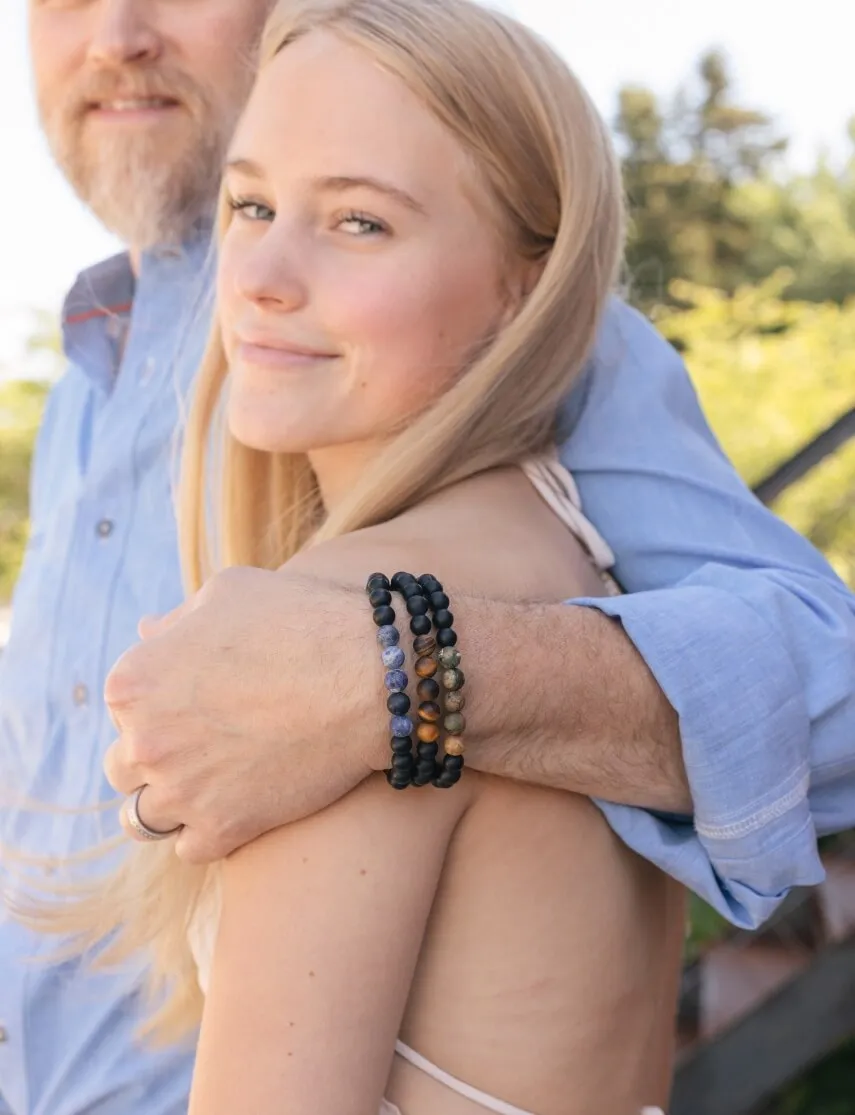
(443, 618)
(444, 781)
(453, 762)
(417, 606)
(402, 745)
(420, 625)
(402, 762)
(396, 781)
(428, 579)
(439, 600)
(427, 751)
(398, 704)
(377, 580)
(379, 596)
(428, 689)
(401, 579)
(384, 616)
(446, 637)
(411, 591)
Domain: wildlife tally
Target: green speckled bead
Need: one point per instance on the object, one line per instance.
(449, 657)
(454, 723)
(454, 701)
(429, 711)
(452, 679)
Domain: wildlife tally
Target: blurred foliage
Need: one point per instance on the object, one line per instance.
(710, 202)
(20, 411)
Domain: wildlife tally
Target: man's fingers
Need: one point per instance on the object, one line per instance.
(123, 776)
(151, 626)
(149, 813)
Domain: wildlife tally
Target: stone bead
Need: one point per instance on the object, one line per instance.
(402, 763)
(401, 726)
(453, 745)
(410, 591)
(427, 733)
(399, 704)
(454, 701)
(427, 752)
(378, 597)
(452, 679)
(449, 657)
(377, 580)
(439, 600)
(388, 636)
(401, 579)
(453, 763)
(429, 583)
(384, 615)
(426, 667)
(417, 606)
(402, 745)
(430, 712)
(396, 680)
(428, 690)
(393, 658)
(420, 625)
(446, 637)
(424, 644)
(443, 618)
(454, 723)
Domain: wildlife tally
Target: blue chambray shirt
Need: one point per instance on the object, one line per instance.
(753, 641)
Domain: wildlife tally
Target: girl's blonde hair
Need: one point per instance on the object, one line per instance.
(546, 160)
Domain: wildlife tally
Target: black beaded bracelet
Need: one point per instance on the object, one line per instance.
(451, 680)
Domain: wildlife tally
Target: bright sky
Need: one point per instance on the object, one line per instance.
(791, 59)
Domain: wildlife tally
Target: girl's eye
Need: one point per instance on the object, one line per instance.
(251, 210)
(360, 224)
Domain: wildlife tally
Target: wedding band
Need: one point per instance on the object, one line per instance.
(132, 805)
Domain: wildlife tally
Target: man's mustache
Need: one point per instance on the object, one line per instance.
(137, 84)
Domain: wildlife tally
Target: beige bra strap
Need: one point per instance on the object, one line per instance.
(558, 490)
(489, 1103)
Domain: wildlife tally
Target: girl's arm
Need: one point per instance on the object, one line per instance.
(321, 927)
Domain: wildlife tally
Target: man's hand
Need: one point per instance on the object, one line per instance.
(218, 709)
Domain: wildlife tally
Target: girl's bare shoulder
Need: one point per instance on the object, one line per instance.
(491, 535)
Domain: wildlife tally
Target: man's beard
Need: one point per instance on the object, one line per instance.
(148, 184)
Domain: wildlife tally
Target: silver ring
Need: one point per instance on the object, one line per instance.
(132, 806)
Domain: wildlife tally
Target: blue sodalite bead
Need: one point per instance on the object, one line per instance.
(388, 636)
(396, 680)
(393, 658)
(401, 725)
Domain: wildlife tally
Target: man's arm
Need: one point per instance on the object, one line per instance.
(745, 627)
(569, 702)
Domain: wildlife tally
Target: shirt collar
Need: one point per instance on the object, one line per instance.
(107, 296)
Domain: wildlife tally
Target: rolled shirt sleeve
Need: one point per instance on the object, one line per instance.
(744, 625)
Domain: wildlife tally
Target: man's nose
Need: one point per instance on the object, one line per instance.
(124, 33)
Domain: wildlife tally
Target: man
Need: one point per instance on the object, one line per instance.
(695, 716)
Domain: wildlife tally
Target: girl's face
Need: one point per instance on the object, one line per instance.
(362, 265)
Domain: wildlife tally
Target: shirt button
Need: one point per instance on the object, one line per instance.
(80, 695)
(105, 528)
